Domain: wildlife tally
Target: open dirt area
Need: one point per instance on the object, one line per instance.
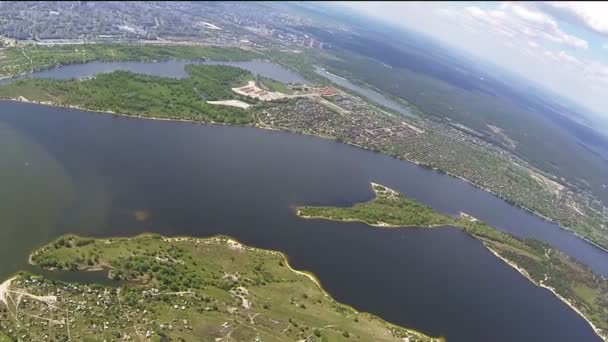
(231, 103)
(253, 91)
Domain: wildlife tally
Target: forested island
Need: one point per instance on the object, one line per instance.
(574, 283)
(179, 289)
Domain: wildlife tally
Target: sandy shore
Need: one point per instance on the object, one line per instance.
(4, 290)
(566, 301)
(231, 103)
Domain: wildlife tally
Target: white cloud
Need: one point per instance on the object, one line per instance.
(514, 19)
(605, 46)
(521, 37)
(562, 56)
(593, 15)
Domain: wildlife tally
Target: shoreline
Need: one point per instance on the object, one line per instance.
(4, 288)
(231, 243)
(566, 301)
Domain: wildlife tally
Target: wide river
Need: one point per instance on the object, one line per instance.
(68, 171)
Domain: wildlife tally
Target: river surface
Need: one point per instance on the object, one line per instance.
(368, 93)
(68, 171)
(171, 68)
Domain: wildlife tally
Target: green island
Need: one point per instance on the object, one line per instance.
(572, 282)
(179, 289)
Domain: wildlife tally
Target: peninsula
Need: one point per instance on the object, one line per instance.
(179, 289)
(572, 282)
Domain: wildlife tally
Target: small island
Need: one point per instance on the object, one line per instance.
(179, 289)
(572, 282)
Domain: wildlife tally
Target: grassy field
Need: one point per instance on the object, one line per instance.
(273, 85)
(185, 289)
(144, 95)
(545, 266)
(18, 60)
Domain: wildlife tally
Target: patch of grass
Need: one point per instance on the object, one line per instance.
(587, 294)
(273, 85)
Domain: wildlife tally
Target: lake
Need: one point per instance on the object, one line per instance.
(68, 171)
(171, 68)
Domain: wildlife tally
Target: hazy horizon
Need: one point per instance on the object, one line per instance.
(560, 46)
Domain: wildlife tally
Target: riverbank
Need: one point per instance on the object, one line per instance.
(566, 301)
(4, 289)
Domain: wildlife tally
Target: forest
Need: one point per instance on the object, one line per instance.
(145, 95)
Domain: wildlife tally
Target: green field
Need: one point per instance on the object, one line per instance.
(587, 291)
(273, 85)
(185, 289)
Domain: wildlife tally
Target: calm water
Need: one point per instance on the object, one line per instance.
(368, 93)
(69, 171)
(171, 68)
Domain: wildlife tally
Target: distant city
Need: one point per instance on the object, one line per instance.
(79, 22)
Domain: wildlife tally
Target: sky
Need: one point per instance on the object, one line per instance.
(560, 45)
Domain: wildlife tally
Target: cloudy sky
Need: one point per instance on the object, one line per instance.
(561, 45)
